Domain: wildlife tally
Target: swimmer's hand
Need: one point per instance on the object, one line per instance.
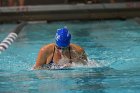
(67, 65)
(37, 68)
(80, 61)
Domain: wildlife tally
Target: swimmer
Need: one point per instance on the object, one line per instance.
(60, 54)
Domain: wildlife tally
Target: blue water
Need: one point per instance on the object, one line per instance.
(115, 45)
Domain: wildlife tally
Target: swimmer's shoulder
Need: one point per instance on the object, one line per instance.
(48, 48)
(76, 47)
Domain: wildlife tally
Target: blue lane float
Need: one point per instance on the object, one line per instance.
(11, 37)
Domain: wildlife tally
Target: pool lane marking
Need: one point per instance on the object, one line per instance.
(11, 37)
(7, 41)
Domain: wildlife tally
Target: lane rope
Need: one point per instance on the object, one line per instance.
(11, 37)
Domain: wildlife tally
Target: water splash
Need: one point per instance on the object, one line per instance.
(90, 64)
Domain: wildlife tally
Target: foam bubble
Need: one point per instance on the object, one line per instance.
(90, 64)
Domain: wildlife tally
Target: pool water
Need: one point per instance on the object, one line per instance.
(115, 45)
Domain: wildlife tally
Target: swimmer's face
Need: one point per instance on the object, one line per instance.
(62, 48)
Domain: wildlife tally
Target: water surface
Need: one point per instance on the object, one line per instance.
(115, 45)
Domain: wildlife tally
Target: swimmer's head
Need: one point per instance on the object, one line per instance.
(62, 37)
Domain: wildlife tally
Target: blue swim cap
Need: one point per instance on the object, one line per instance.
(62, 37)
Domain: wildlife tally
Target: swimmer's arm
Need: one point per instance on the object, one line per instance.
(83, 57)
(41, 59)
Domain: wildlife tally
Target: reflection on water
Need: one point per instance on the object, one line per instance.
(56, 81)
(90, 82)
(79, 79)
